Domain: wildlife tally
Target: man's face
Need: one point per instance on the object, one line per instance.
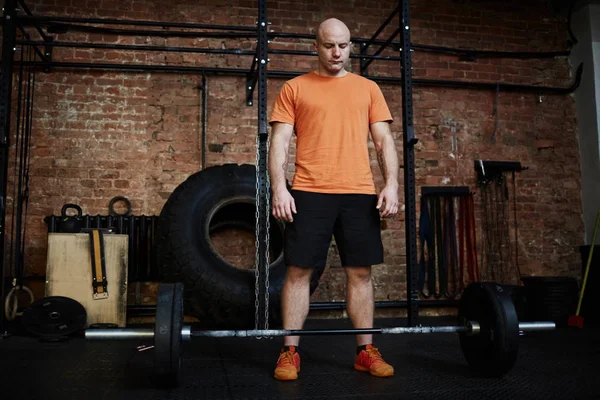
(333, 49)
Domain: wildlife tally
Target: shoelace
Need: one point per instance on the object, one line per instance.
(374, 355)
(286, 359)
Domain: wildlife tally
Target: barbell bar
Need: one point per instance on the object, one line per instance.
(488, 330)
(472, 328)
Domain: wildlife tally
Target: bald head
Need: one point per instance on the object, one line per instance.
(332, 27)
(333, 47)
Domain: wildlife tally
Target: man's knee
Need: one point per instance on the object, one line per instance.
(298, 275)
(358, 275)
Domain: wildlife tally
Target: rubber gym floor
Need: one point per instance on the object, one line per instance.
(563, 364)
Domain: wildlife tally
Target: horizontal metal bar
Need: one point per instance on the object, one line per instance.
(471, 327)
(129, 333)
(490, 54)
(119, 333)
(113, 46)
(290, 74)
(310, 36)
(251, 31)
(314, 53)
(63, 28)
(317, 332)
(508, 87)
(110, 21)
(138, 67)
(438, 49)
(537, 326)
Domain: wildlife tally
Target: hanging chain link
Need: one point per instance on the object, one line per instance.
(262, 203)
(262, 177)
(268, 242)
(256, 243)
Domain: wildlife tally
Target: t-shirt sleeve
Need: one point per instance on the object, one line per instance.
(284, 109)
(379, 109)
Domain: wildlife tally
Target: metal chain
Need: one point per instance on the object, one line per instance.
(259, 204)
(268, 239)
(256, 244)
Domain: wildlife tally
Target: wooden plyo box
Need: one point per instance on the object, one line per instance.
(69, 274)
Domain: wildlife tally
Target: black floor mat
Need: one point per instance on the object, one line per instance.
(558, 365)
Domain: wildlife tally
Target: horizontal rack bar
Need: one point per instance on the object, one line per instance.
(132, 47)
(113, 21)
(289, 74)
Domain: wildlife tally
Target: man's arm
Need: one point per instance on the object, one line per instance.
(281, 135)
(388, 163)
(386, 151)
(283, 203)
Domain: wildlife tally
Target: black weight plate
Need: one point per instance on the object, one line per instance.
(492, 352)
(54, 317)
(167, 334)
(176, 347)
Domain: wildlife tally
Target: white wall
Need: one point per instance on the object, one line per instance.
(596, 53)
(595, 34)
(585, 23)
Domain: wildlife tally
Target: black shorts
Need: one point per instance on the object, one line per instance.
(352, 219)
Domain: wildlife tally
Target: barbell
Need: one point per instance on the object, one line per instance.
(488, 330)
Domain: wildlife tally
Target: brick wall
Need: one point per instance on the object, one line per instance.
(98, 134)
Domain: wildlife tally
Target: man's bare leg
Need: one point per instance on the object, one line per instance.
(294, 309)
(295, 298)
(359, 300)
(361, 305)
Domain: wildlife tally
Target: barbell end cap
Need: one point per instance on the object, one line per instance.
(473, 328)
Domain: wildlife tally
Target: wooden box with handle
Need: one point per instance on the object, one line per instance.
(90, 267)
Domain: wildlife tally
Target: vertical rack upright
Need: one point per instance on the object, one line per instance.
(263, 192)
(409, 141)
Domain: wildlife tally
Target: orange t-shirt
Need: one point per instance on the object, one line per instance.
(331, 118)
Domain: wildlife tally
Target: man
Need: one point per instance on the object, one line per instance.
(331, 111)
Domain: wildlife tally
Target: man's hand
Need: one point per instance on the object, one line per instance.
(283, 206)
(388, 201)
(388, 162)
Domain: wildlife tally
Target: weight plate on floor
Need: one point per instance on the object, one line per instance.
(167, 333)
(176, 346)
(54, 318)
(492, 352)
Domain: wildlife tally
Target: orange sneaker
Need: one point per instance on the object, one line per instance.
(288, 364)
(369, 359)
